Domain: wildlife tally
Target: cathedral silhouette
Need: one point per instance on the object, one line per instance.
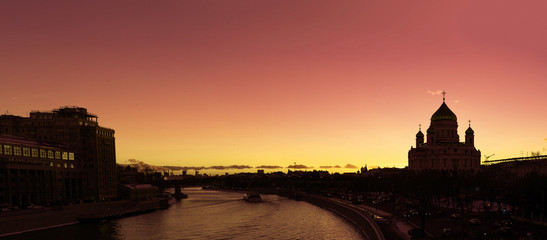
(443, 150)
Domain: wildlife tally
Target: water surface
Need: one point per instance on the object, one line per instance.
(210, 214)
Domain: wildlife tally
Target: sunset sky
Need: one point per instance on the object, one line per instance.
(273, 82)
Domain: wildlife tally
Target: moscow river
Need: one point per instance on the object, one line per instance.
(210, 214)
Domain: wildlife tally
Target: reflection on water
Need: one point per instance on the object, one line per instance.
(215, 215)
(104, 230)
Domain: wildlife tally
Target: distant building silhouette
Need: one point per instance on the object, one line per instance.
(127, 174)
(74, 127)
(443, 150)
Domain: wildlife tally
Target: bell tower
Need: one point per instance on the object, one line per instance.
(469, 136)
(419, 137)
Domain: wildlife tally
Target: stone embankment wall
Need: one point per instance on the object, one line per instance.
(18, 221)
(369, 229)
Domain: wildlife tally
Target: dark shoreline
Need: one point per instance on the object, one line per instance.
(21, 221)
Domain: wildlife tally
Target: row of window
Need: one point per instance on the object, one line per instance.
(41, 116)
(454, 162)
(105, 133)
(51, 164)
(35, 152)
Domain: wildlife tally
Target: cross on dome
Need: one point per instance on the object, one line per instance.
(444, 93)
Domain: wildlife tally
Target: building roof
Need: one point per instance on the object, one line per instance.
(25, 141)
(469, 131)
(443, 113)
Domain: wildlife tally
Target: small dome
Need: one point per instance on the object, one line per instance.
(419, 134)
(469, 131)
(444, 113)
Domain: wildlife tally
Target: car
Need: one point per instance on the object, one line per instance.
(455, 216)
(475, 222)
(379, 218)
(413, 212)
(406, 215)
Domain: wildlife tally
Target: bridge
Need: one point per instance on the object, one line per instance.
(517, 159)
(522, 166)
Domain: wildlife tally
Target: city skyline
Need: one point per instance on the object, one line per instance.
(191, 83)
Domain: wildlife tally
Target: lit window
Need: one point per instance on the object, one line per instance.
(57, 155)
(34, 152)
(50, 154)
(51, 164)
(66, 166)
(71, 165)
(58, 165)
(26, 152)
(43, 153)
(17, 151)
(70, 156)
(7, 150)
(0, 149)
(65, 156)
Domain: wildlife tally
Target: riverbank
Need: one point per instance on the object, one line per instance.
(368, 228)
(20, 221)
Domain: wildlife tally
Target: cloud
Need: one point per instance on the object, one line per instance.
(298, 166)
(218, 167)
(336, 166)
(141, 166)
(268, 167)
(205, 168)
(185, 168)
(146, 167)
(229, 167)
(174, 167)
(239, 167)
(350, 166)
(436, 92)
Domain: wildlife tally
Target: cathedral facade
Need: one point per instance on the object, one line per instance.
(443, 150)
